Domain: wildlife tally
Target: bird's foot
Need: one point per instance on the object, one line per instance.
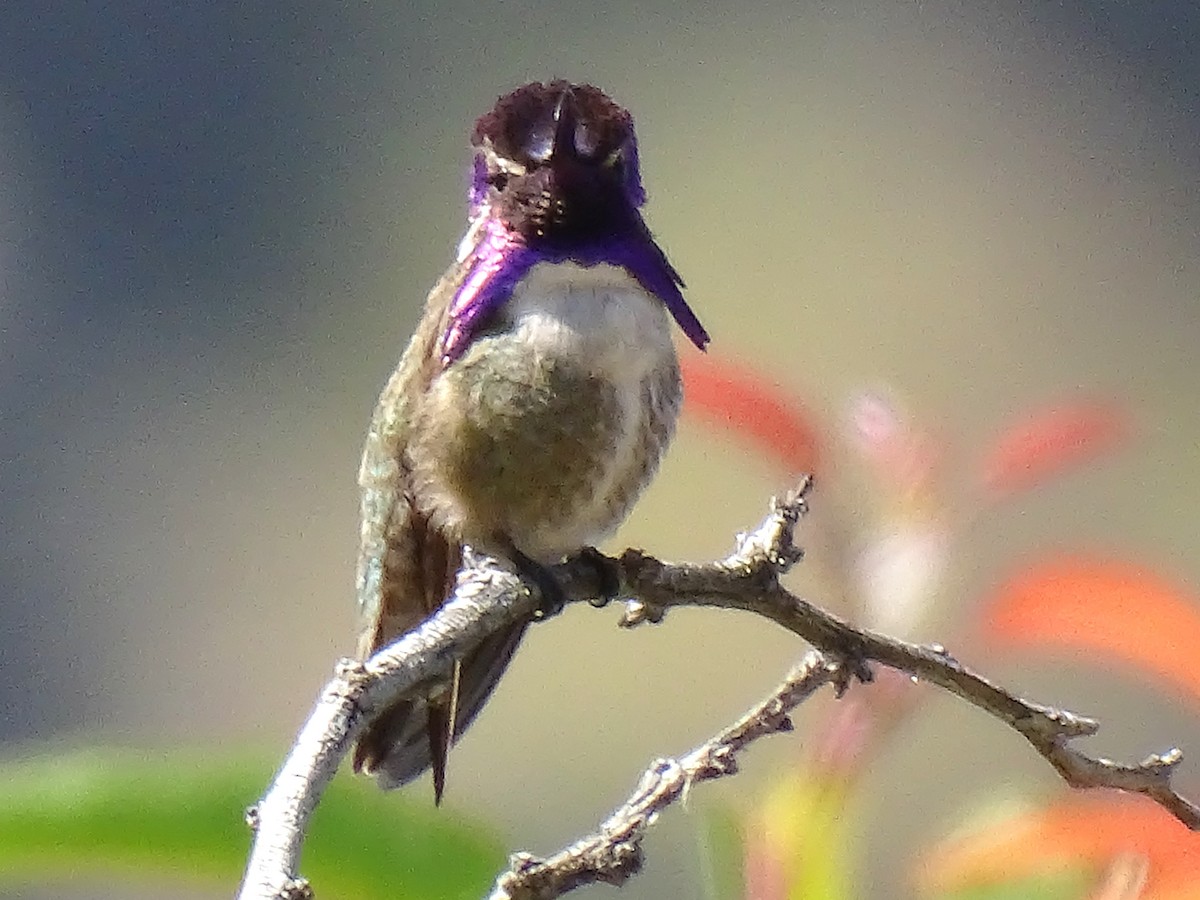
(552, 597)
(608, 576)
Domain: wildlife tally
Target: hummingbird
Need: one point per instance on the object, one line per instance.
(533, 402)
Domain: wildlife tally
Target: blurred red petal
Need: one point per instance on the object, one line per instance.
(905, 456)
(1119, 609)
(1091, 829)
(1051, 441)
(750, 407)
(766, 875)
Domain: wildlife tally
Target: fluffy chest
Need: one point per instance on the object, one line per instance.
(551, 423)
(597, 316)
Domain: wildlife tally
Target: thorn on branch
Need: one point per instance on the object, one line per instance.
(637, 613)
(1062, 721)
(1165, 762)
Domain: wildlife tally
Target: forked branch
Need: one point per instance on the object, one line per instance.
(487, 599)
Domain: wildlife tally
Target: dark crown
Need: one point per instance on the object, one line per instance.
(526, 125)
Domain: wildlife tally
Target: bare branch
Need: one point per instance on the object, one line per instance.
(754, 587)
(614, 852)
(484, 602)
(488, 599)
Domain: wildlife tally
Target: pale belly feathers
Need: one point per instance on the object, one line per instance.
(547, 429)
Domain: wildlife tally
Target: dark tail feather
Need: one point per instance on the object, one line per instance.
(437, 729)
(414, 735)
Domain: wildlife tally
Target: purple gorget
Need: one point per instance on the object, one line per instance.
(499, 258)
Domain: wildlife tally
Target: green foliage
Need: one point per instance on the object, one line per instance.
(177, 818)
(722, 852)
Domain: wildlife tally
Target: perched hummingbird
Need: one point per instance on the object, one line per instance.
(533, 402)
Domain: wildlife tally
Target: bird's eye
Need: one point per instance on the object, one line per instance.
(498, 180)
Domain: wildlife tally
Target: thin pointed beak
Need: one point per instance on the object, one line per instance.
(566, 118)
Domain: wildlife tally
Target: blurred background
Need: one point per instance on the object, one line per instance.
(218, 223)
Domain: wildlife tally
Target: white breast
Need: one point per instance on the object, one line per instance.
(597, 315)
(599, 318)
